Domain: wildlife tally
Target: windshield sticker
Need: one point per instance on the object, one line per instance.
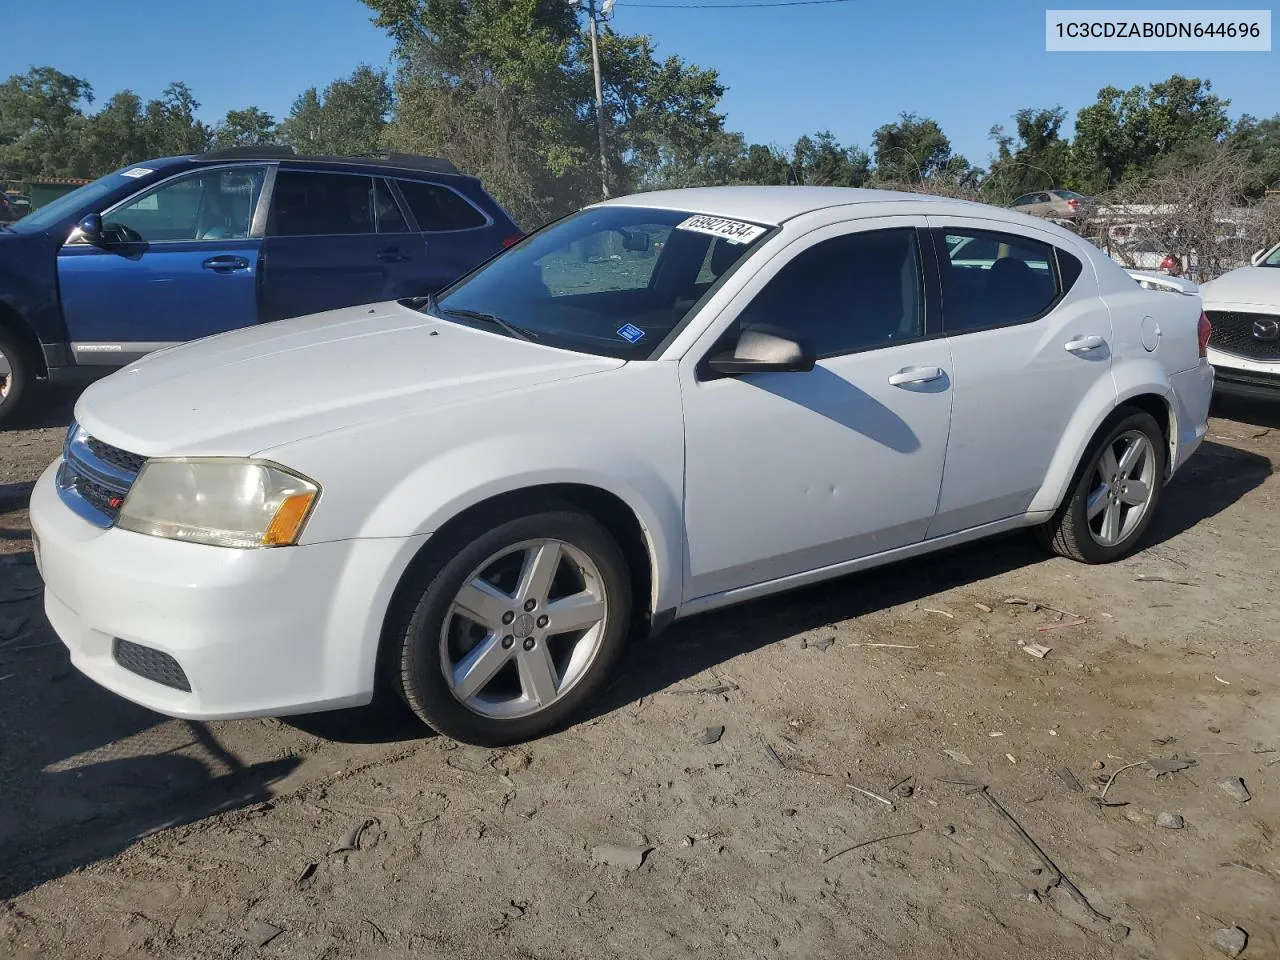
(630, 333)
(136, 172)
(735, 231)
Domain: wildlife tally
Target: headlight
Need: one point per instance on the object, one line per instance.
(220, 502)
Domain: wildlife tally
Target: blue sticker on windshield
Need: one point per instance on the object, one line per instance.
(630, 333)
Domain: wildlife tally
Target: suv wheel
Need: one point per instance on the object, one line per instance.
(503, 640)
(15, 374)
(1114, 495)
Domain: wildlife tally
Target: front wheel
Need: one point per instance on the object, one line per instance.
(15, 374)
(1115, 493)
(506, 638)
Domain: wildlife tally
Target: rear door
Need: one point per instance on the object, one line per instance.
(1029, 337)
(180, 261)
(324, 248)
(456, 234)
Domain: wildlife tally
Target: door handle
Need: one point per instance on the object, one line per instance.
(1083, 344)
(391, 255)
(912, 375)
(225, 264)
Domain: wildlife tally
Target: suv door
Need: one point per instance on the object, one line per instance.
(334, 240)
(789, 472)
(1029, 337)
(179, 261)
(457, 236)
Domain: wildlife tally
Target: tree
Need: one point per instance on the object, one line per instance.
(914, 149)
(1127, 133)
(1035, 160)
(249, 127)
(42, 123)
(347, 119)
(117, 134)
(821, 161)
(171, 124)
(1258, 141)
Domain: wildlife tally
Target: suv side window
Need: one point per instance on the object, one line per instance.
(437, 208)
(307, 204)
(390, 217)
(992, 279)
(210, 205)
(856, 292)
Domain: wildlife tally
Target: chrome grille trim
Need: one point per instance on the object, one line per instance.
(91, 473)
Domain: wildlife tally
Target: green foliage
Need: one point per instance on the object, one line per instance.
(914, 149)
(250, 127)
(348, 119)
(42, 123)
(1034, 159)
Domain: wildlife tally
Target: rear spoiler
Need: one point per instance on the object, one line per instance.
(1165, 283)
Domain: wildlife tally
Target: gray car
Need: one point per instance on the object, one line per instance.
(1057, 204)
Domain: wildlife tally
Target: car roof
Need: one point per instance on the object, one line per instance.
(776, 205)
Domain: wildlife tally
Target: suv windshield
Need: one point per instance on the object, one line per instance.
(51, 213)
(614, 281)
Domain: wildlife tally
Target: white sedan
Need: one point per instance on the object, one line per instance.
(1244, 308)
(661, 405)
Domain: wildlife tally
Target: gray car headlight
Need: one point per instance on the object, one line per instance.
(219, 501)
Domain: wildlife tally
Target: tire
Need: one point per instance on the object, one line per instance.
(1072, 533)
(432, 639)
(15, 374)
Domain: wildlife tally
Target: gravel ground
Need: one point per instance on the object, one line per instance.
(126, 834)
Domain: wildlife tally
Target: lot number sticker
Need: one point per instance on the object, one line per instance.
(630, 333)
(735, 231)
(136, 172)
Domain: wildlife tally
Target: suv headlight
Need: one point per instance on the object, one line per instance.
(219, 501)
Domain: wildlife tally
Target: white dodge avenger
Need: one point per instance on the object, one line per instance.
(660, 405)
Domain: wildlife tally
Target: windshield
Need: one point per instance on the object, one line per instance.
(59, 209)
(613, 281)
(1273, 260)
(1070, 195)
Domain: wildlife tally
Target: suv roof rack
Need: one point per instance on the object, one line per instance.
(398, 161)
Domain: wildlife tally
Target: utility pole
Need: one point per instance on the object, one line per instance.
(592, 14)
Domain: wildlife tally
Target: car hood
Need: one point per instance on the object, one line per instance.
(1250, 285)
(238, 393)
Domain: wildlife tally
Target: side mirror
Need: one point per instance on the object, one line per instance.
(636, 241)
(763, 349)
(90, 228)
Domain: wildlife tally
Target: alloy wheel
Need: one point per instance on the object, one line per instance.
(1123, 489)
(523, 629)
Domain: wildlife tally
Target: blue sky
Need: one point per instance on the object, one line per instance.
(845, 67)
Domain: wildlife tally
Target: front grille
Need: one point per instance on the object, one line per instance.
(1233, 333)
(154, 665)
(126, 461)
(95, 477)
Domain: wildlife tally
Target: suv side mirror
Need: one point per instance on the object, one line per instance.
(90, 228)
(765, 349)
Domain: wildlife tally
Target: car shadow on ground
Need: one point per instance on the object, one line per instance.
(1260, 413)
(1216, 477)
(86, 773)
(52, 406)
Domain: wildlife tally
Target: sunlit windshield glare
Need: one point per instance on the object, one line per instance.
(51, 213)
(613, 280)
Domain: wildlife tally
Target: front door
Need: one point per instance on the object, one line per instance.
(178, 261)
(1030, 338)
(790, 472)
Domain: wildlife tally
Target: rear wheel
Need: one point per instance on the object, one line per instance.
(15, 374)
(506, 638)
(1115, 493)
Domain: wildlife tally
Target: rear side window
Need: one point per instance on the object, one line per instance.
(1069, 269)
(321, 204)
(994, 279)
(438, 208)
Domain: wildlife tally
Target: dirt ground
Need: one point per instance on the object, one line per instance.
(124, 834)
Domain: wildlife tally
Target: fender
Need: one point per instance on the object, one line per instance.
(1143, 377)
(424, 500)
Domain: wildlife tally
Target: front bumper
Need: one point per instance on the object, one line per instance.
(254, 632)
(1240, 377)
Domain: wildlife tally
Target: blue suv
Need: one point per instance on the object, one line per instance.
(184, 247)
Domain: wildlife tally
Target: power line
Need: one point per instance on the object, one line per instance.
(729, 6)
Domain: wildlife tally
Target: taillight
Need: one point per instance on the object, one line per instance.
(1073, 204)
(1169, 264)
(512, 240)
(1205, 330)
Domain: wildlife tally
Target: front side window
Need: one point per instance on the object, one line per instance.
(995, 279)
(614, 281)
(1273, 260)
(210, 205)
(387, 211)
(850, 293)
(438, 208)
(321, 204)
